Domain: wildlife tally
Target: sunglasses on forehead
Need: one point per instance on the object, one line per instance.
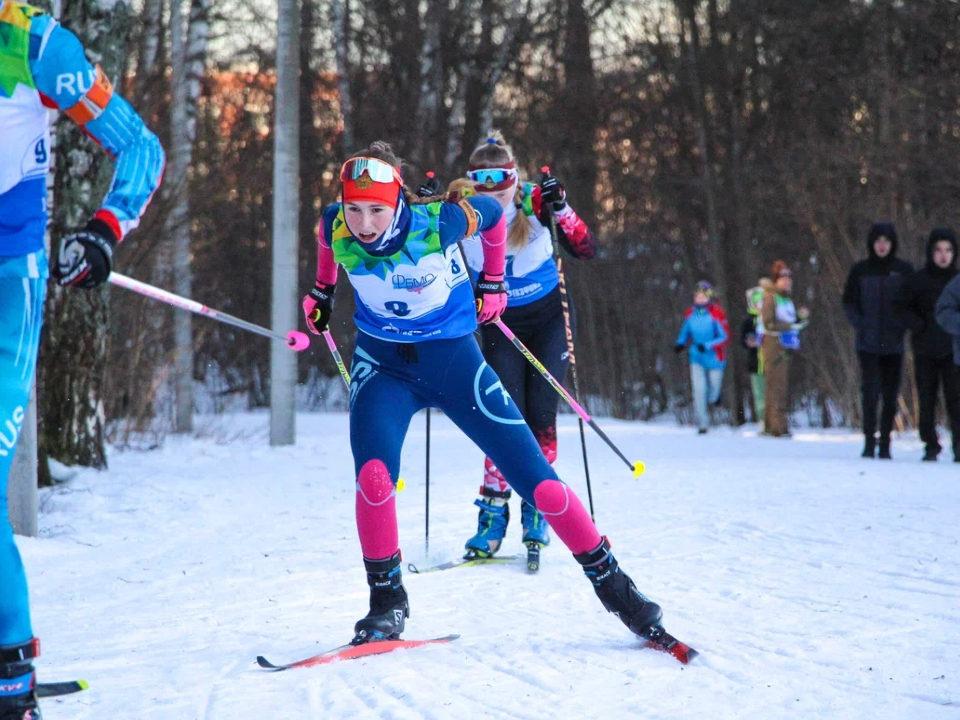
(491, 176)
(377, 170)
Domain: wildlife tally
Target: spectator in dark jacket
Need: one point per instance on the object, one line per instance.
(932, 347)
(868, 296)
(948, 318)
(948, 315)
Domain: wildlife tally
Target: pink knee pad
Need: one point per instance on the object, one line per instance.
(376, 511)
(567, 516)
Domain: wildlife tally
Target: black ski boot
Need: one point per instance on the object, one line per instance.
(930, 452)
(618, 593)
(389, 608)
(18, 701)
(884, 453)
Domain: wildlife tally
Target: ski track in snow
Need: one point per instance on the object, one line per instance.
(814, 584)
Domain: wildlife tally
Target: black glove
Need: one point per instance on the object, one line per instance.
(552, 191)
(701, 347)
(86, 257)
(430, 188)
(318, 307)
(678, 348)
(491, 295)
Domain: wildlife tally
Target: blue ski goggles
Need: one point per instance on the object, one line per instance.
(492, 176)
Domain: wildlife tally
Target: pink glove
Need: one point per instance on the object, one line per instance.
(491, 296)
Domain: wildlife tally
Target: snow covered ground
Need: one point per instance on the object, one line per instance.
(815, 584)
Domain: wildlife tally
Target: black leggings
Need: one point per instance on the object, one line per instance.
(538, 325)
(880, 378)
(931, 372)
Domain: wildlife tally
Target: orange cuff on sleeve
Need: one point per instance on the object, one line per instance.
(92, 104)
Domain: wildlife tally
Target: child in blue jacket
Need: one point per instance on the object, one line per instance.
(705, 333)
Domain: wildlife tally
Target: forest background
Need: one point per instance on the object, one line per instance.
(699, 139)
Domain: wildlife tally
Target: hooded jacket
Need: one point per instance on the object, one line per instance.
(868, 296)
(948, 314)
(916, 303)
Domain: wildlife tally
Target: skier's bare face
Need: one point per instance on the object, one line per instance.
(367, 220)
(882, 246)
(943, 254)
(504, 197)
(700, 298)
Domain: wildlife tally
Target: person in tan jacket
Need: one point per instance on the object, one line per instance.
(779, 328)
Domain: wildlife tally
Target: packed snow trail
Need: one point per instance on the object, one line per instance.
(814, 584)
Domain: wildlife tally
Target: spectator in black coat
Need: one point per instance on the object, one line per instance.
(868, 301)
(932, 347)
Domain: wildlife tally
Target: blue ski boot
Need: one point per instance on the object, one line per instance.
(18, 701)
(535, 527)
(536, 534)
(618, 593)
(492, 525)
(389, 608)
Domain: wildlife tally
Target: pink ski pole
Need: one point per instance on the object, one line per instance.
(294, 339)
(638, 467)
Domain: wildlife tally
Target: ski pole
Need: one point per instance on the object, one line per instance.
(565, 304)
(294, 339)
(344, 373)
(429, 188)
(426, 531)
(637, 467)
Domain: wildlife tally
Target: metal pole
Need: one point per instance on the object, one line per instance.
(286, 212)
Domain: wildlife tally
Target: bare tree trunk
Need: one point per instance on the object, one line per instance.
(734, 400)
(456, 141)
(340, 18)
(286, 213)
(431, 81)
(74, 352)
(150, 36)
(577, 156)
(188, 61)
(512, 20)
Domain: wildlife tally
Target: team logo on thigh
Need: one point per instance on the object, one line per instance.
(493, 399)
(361, 373)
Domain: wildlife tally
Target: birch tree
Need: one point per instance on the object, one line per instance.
(74, 350)
(188, 52)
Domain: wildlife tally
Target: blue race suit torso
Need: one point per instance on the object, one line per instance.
(414, 286)
(42, 66)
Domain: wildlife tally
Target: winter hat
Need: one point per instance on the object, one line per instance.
(780, 269)
(704, 287)
(882, 229)
(938, 234)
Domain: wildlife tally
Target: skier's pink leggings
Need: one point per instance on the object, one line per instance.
(377, 511)
(567, 516)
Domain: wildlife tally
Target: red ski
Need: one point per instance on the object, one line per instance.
(350, 652)
(665, 642)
